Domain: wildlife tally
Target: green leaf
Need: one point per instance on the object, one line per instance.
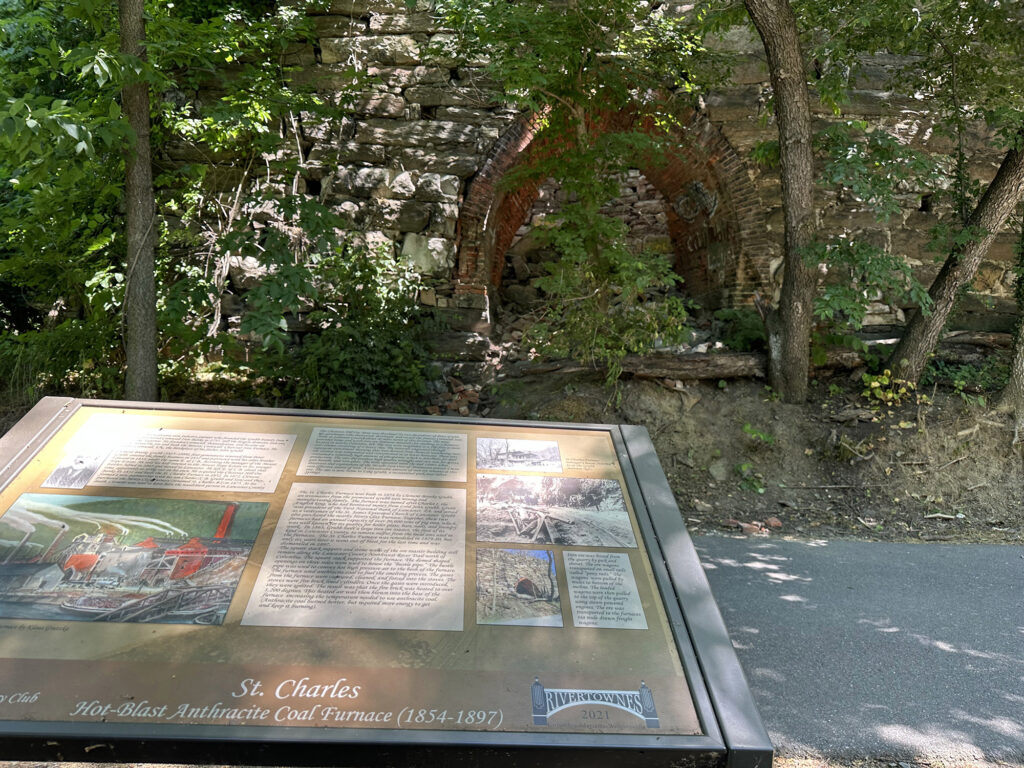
(71, 129)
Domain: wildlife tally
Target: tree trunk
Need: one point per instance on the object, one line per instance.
(988, 217)
(1012, 398)
(140, 216)
(789, 324)
(551, 578)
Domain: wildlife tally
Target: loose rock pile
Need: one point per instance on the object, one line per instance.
(458, 398)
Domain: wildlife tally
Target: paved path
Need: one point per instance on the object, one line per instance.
(863, 649)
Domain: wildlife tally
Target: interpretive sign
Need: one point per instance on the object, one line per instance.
(189, 573)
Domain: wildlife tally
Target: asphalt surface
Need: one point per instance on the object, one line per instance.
(865, 649)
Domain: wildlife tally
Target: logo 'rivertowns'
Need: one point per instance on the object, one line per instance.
(548, 701)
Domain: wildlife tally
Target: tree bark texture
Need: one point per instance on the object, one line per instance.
(140, 218)
(1012, 397)
(789, 324)
(726, 365)
(988, 217)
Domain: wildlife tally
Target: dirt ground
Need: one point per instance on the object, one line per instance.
(739, 460)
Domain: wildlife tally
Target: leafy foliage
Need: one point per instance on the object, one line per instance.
(741, 330)
(862, 273)
(226, 92)
(750, 480)
(968, 380)
(884, 389)
(579, 66)
(873, 166)
(604, 300)
(603, 308)
(372, 344)
(73, 357)
(875, 169)
(571, 55)
(766, 154)
(367, 338)
(759, 436)
(960, 61)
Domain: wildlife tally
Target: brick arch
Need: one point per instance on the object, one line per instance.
(480, 242)
(715, 218)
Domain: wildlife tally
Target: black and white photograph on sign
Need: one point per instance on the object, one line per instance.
(501, 453)
(76, 469)
(571, 511)
(517, 587)
(90, 558)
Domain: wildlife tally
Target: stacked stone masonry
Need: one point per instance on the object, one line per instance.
(416, 162)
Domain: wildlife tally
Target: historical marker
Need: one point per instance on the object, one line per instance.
(188, 574)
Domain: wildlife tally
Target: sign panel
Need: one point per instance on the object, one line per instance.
(201, 568)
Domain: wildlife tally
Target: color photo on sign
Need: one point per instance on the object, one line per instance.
(570, 511)
(88, 558)
(517, 587)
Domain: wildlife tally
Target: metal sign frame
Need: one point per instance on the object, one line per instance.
(733, 734)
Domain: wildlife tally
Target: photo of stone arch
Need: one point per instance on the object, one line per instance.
(517, 587)
(570, 511)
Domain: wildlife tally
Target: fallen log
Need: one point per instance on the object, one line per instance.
(693, 366)
(754, 365)
(988, 339)
(666, 365)
(720, 365)
(723, 365)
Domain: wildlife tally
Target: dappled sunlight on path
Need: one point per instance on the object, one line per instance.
(857, 649)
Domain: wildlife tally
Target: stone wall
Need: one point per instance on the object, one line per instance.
(396, 162)
(417, 163)
(738, 113)
(639, 205)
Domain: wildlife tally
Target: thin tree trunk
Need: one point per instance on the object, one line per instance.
(140, 232)
(551, 580)
(988, 217)
(1012, 398)
(789, 324)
